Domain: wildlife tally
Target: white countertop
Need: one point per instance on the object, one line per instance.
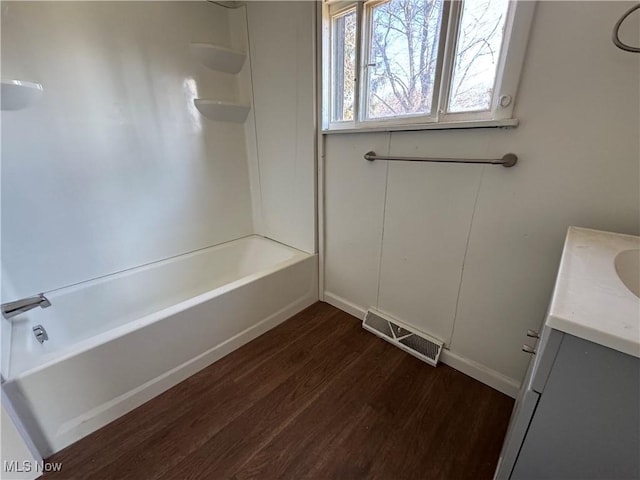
(589, 300)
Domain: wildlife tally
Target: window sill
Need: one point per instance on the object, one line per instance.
(505, 123)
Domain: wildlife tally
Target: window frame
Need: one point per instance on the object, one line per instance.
(514, 42)
(432, 116)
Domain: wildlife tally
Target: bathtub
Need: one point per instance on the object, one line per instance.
(116, 342)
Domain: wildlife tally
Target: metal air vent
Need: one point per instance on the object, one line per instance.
(418, 344)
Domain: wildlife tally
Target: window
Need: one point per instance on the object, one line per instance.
(411, 64)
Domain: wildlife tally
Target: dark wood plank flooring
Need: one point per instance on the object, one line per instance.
(317, 397)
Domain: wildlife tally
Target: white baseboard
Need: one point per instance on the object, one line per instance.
(345, 305)
(483, 374)
(486, 375)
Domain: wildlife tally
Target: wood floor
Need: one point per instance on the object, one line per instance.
(317, 397)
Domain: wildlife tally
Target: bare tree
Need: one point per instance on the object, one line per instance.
(479, 41)
(404, 48)
(344, 66)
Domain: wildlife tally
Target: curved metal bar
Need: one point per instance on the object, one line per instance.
(508, 160)
(616, 32)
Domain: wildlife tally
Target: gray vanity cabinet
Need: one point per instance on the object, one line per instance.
(577, 414)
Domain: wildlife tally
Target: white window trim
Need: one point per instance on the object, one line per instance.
(517, 29)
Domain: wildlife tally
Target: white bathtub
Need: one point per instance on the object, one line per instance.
(116, 342)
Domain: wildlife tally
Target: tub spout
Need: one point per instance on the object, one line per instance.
(11, 309)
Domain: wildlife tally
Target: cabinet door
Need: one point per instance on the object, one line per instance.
(520, 418)
(587, 422)
(527, 400)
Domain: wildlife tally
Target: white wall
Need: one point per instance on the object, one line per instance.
(469, 253)
(281, 36)
(114, 167)
(15, 446)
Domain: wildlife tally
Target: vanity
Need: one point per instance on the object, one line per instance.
(577, 414)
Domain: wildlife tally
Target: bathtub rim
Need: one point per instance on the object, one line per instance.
(73, 287)
(167, 312)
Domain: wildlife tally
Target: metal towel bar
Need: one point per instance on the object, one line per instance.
(508, 160)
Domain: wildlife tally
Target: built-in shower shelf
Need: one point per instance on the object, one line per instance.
(18, 94)
(222, 111)
(218, 58)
